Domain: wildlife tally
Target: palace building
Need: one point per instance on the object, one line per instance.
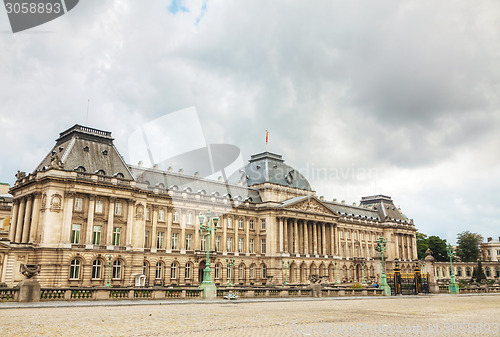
(84, 212)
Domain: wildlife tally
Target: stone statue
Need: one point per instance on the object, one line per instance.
(20, 175)
(55, 162)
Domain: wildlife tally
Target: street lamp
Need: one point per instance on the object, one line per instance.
(109, 271)
(285, 266)
(230, 265)
(209, 289)
(364, 280)
(381, 246)
(336, 280)
(453, 285)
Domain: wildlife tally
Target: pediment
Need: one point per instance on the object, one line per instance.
(310, 205)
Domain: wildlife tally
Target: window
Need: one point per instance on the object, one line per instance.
(189, 218)
(251, 224)
(189, 239)
(116, 236)
(252, 271)
(348, 234)
(241, 271)
(96, 269)
(117, 269)
(342, 253)
(78, 204)
(355, 235)
(159, 240)
(264, 271)
(187, 271)
(145, 268)
(489, 253)
(147, 213)
(96, 235)
(175, 240)
(203, 242)
(118, 208)
(263, 246)
(176, 216)
(146, 239)
(217, 243)
(229, 222)
(341, 234)
(240, 224)
(74, 269)
(217, 271)
(487, 272)
(161, 215)
(498, 252)
(173, 271)
(362, 236)
(459, 271)
(497, 272)
(99, 206)
(467, 272)
(240, 245)
(251, 248)
(75, 233)
(159, 270)
(263, 224)
(230, 244)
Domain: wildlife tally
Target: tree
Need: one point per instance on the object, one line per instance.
(478, 272)
(438, 247)
(422, 245)
(468, 249)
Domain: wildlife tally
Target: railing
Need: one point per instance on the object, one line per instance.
(52, 294)
(8, 294)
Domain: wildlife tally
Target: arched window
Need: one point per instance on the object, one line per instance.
(187, 271)
(487, 271)
(117, 269)
(252, 271)
(74, 269)
(497, 272)
(264, 271)
(159, 270)
(119, 175)
(241, 272)
(80, 169)
(459, 271)
(173, 271)
(101, 173)
(217, 271)
(96, 269)
(467, 272)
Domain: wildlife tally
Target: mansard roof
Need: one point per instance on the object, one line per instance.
(87, 150)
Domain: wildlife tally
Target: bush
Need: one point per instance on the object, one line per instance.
(357, 286)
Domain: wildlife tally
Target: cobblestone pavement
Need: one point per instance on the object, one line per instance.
(435, 315)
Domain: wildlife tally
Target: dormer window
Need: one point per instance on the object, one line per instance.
(174, 188)
(119, 175)
(101, 173)
(80, 169)
(86, 148)
(105, 152)
(187, 189)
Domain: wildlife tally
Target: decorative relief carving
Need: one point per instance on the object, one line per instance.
(55, 202)
(311, 206)
(139, 212)
(44, 202)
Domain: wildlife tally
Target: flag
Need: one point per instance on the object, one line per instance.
(267, 136)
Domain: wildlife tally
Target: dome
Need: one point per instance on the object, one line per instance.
(269, 167)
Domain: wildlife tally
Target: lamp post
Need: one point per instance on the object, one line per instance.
(336, 280)
(453, 285)
(109, 271)
(230, 265)
(285, 266)
(363, 282)
(381, 246)
(209, 289)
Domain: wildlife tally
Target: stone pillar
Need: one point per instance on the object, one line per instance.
(323, 237)
(337, 240)
(285, 236)
(247, 239)
(153, 230)
(332, 240)
(315, 238)
(224, 235)
(306, 238)
(182, 244)
(111, 218)
(236, 227)
(408, 250)
(280, 236)
(67, 217)
(130, 221)
(90, 219)
(170, 213)
(27, 220)
(296, 236)
(13, 221)
(20, 218)
(35, 217)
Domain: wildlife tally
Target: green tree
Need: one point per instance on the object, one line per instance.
(478, 272)
(422, 245)
(468, 249)
(438, 247)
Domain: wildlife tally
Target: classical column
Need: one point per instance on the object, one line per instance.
(224, 235)
(296, 236)
(280, 229)
(13, 221)
(182, 244)
(27, 220)
(111, 218)
(408, 256)
(170, 214)
(155, 223)
(130, 221)
(90, 219)
(20, 218)
(306, 238)
(337, 240)
(285, 236)
(315, 237)
(323, 237)
(35, 216)
(236, 228)
(67, 217)
(247, 239)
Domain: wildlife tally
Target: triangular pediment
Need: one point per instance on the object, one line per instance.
(308, 204)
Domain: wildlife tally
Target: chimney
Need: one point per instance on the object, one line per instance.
(155, 167)
(197, 174)
(334, 199)
(343, 202)
(181, 171)
(354, 203)
(139, 163)
(169, 169)
(220, 178)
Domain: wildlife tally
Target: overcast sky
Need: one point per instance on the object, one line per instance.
(393, 97)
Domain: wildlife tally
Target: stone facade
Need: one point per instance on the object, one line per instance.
(84, 214)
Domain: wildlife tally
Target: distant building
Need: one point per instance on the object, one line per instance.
(5, 210)
(83, 204)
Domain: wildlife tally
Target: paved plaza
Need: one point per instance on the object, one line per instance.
(434, 315)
